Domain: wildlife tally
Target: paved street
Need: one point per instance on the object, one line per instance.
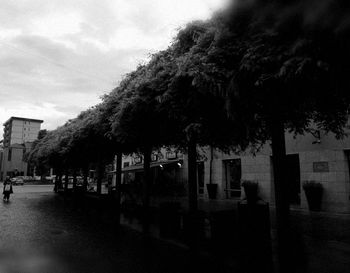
(40, 234)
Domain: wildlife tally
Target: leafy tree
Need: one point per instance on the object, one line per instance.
(198, 113)
(280, 65)
(32, 161)
(138, 119)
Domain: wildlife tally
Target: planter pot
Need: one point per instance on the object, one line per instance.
(251, 193)
(314, 198)
(212, 190)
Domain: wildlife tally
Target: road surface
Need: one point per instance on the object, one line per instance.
(40, 233)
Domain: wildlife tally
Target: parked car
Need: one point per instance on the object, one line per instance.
(17, 180)
(28, 178)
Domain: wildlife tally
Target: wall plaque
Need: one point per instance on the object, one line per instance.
(321, 167)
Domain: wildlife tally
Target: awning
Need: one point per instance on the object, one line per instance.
(139, 167)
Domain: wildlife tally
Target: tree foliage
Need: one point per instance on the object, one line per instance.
(224, 80)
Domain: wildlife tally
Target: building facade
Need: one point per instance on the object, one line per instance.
(19, 134)
(168, 174)
(315, 157)
(320, 158)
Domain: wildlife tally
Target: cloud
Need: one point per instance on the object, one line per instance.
(58, 57)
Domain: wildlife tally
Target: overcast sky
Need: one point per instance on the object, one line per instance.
(58, 57)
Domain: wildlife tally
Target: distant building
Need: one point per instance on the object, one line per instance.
(19, 134)
(1, 154)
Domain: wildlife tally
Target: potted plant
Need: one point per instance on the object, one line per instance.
(251, 191)
(313, 191)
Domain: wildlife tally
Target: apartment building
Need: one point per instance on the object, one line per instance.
(19, 134)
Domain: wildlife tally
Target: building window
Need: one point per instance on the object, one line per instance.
(126, 164)
(9, 155)
(233, 175)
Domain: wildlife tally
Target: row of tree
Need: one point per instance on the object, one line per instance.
(238, 80)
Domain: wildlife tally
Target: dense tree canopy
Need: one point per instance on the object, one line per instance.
(136, 114)
(274, 60)
(228, 80)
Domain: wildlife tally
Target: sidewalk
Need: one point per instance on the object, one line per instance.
(324, 237)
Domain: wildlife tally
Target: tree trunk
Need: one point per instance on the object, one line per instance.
(192, 176)
(100, 173)
(66, 180)
(75, 180)
(281, 198)
(118, 183)
(59, 181)
(86, 177)
(211, 165)
(193, 220)
(146, 188)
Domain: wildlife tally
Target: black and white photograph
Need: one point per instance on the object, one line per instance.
(175, 136)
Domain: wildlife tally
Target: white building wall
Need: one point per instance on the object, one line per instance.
(24, 131)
